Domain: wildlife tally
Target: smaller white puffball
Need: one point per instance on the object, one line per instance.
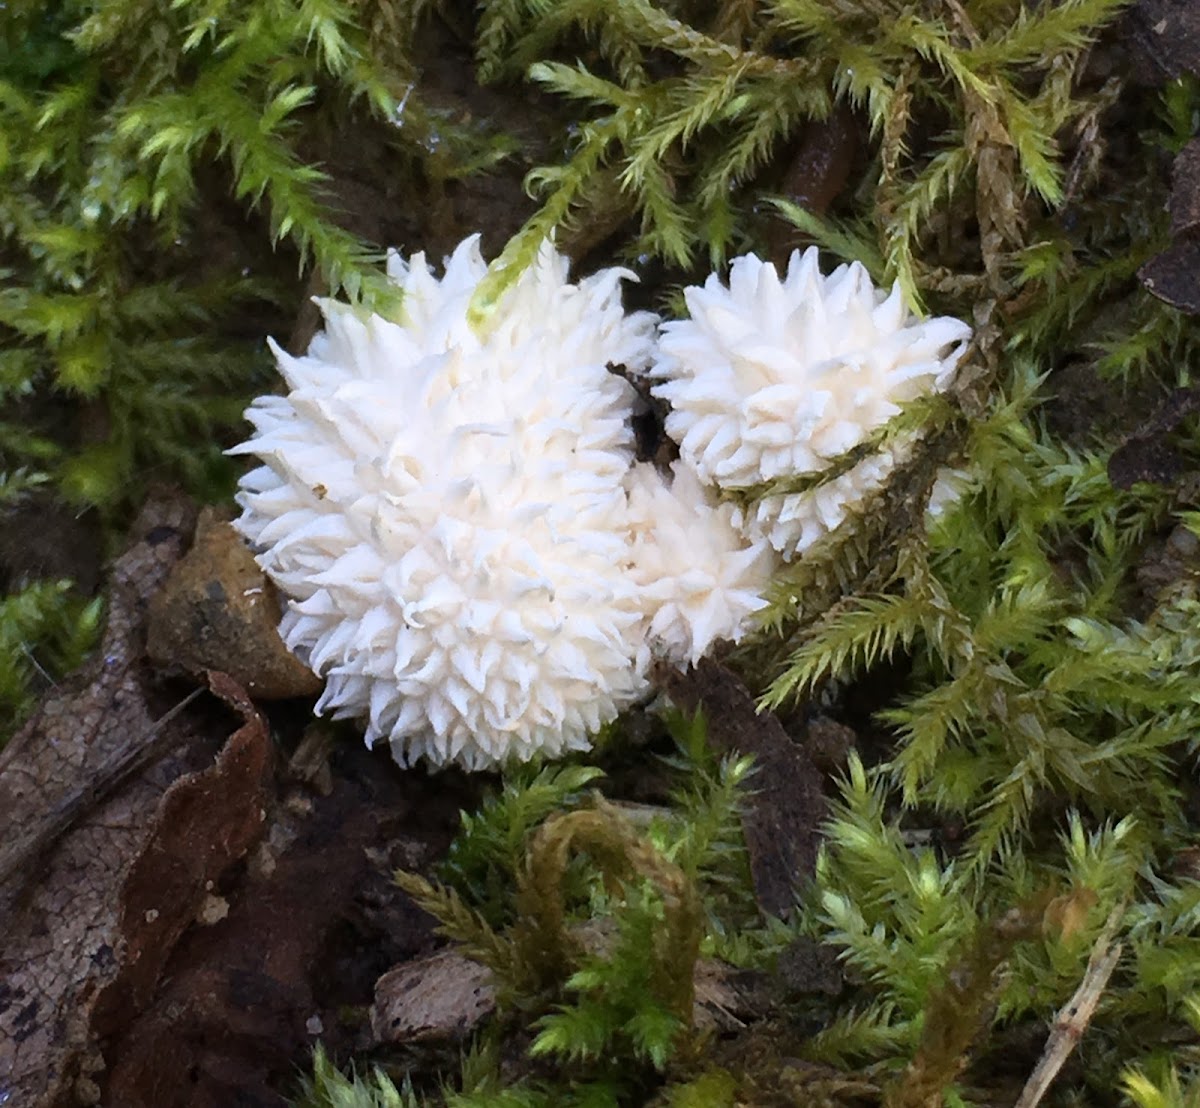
(702, 580)
(773, 378)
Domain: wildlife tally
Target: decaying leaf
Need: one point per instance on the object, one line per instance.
(1174, 275)
(727, 998)
(308, 930)
(93, 912)
(1169, 564)
(69, 746)
(1146, 455)
(205, 821)
(1185, 192)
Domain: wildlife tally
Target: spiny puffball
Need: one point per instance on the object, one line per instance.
(703, 581)
(470, 558)
(774, 378)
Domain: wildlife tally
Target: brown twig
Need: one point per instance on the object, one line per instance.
(1074, 1016)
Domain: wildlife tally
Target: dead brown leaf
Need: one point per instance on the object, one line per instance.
(205, 822)
(1168, 565)
(1174, 275)
(91, 915)
(307, 932)
(1146, 455)
(1185, 191)
(81, 730)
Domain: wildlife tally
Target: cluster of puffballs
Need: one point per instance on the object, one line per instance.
(469, 551)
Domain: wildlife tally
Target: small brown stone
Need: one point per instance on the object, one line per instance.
(217, 611)
(441, 997)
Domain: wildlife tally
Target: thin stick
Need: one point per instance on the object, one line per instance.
(1076, 1014)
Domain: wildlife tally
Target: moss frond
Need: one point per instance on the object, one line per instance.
(328, 1087)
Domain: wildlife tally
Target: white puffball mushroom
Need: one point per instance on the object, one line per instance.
(772, 378)
(703, 581)
(445, 511)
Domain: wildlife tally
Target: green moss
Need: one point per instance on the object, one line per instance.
(330, 1088)
(157, 208)
(690, 143)
(46, 628)
(1046, 706)
(591, 925)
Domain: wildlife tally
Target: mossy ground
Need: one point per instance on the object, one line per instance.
(1020, 676)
